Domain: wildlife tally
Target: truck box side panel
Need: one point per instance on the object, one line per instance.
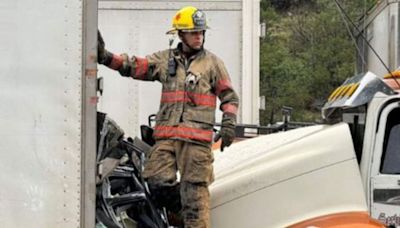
(381, 28)
(40, 113)
(379, 32)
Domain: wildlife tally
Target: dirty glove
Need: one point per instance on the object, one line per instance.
(227, 132)
(103, 56)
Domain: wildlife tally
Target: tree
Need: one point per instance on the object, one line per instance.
(306, 54)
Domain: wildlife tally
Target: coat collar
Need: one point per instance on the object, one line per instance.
(178, 52)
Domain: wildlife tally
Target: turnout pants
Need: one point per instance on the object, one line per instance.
(194, 163)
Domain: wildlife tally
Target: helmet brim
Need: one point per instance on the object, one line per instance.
(173, 31)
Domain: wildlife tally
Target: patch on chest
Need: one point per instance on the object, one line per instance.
(192, 80)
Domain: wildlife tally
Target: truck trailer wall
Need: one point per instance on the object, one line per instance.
(47, 78)
(139, 27)
(381, 28)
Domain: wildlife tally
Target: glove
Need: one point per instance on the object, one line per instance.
(227, 132)
(103, 56)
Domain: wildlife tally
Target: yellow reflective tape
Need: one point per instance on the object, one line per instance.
(352, 89)
(339, 92)
(333, 94)
(344, 91)
(348, 88)
(336, 92)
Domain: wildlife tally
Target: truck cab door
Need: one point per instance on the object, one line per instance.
(385, 167)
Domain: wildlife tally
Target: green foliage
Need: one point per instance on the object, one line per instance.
(307, 53)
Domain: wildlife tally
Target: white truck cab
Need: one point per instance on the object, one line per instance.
(344, 173)
(380, 160)
(371, 107)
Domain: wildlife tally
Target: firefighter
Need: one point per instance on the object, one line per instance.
(192, 78)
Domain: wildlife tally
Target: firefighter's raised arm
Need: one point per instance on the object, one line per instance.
(135, 67)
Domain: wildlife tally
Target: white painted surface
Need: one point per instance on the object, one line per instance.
(382, 28)
(380, 181)
(40, 113)
(251, 62)
(370, 137)
(284, 178)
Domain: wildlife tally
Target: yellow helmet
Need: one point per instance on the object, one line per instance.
(188, 19)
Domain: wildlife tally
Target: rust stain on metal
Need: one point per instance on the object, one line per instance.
(91, 72)
(94, 100)
(93, 58)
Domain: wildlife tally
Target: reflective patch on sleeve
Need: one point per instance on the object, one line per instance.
(141, 68)
(223, 85)
(230, 108)
(116, 62)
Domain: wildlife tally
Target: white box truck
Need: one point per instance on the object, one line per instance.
(48, 92)
(380, 27)
(47, 113)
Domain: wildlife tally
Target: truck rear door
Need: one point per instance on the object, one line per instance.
(385, 169)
